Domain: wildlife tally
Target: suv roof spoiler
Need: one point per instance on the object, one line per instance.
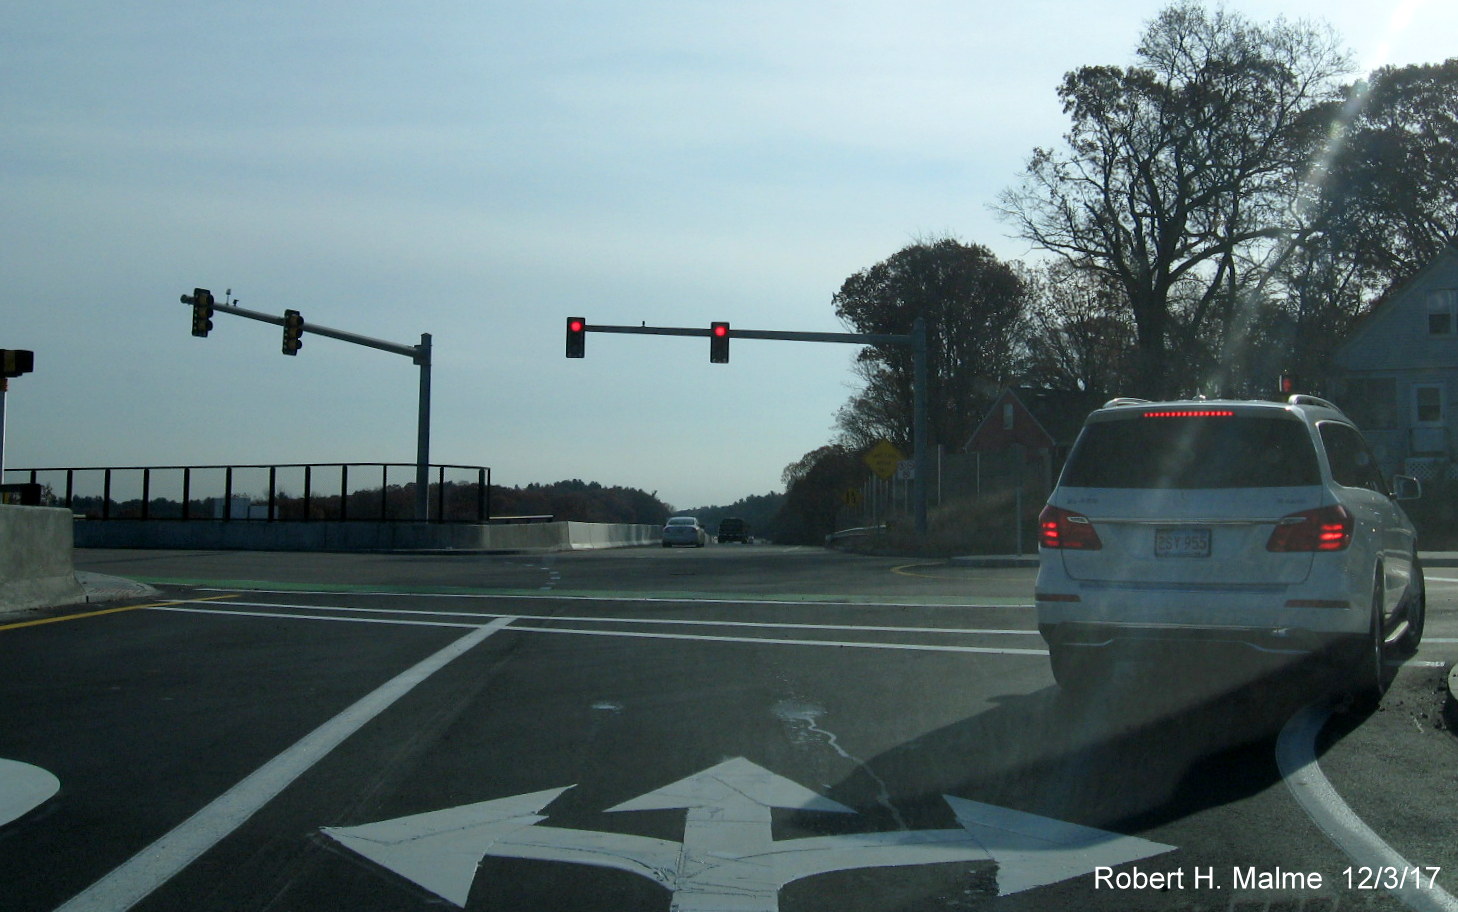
(1297, 399)
(1303, 399)
(1126, 400)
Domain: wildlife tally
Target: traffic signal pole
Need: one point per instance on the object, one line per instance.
(419, 354)
(915, 340)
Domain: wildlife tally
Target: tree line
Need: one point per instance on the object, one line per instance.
(1218, 212)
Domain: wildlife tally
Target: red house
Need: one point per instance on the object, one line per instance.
(1043, 423)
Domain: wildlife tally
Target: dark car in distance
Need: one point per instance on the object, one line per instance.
(732, 530)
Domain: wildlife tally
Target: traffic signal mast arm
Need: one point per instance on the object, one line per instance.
(418, 355)
(915, 340)
(706, 332)
(414, 352)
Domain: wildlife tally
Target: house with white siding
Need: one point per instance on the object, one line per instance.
(1397, 374)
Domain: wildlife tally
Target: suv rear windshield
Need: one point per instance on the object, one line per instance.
(1233, 451)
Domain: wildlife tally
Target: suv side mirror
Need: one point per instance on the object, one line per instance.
(1405, 487)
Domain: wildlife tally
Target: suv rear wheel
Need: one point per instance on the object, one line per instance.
(1071, 667)
(1415, 611)
(1368, 675)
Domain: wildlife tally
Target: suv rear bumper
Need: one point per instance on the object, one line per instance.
(1164, 640)
(1268, 615)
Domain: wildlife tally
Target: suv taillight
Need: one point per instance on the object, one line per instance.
(1322, 529)
(1059, 528)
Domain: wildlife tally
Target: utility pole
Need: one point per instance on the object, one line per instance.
(294, 328)
(720, 334)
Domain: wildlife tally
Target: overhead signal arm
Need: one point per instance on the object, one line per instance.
(719, 335)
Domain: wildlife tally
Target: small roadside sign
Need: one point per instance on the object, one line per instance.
(883, 458)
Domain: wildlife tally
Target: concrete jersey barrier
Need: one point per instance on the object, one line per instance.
(36, 569)
(362, 536)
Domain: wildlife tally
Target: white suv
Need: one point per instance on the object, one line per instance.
(1261, 526)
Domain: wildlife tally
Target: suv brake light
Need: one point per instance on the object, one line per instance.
(1322, 529)
(1059, 528)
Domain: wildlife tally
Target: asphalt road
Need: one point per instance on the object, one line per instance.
(738, 727)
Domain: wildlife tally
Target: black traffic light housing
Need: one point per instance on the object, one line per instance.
(202, 311)
(718, 343)
(16, 361)
(293, 329)
(576, 337)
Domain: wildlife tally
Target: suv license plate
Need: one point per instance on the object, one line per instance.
(1181, 542)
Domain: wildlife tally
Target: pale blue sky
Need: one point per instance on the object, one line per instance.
(480, 171)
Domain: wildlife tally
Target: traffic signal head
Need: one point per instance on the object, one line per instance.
(16, 361)
(1288, 384)
(202, 311)
(576, 337)
(719, 343)
(293, 330)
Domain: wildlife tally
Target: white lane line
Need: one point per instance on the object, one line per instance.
(670, 622)
(631, 634)
(323, 617)
(560, 596)
(150, 868)
(1296, 757)
(778, 641)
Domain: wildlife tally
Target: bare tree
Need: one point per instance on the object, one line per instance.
(1181, 178)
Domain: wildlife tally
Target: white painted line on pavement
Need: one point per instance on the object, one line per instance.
(23, 788)
(159, 862)
(631, 634)
(778, 641)
(1296, 756)
(323, 617)
(560, 596)
(671, 622)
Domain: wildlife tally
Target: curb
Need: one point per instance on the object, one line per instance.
(102, 588)
(996, 561)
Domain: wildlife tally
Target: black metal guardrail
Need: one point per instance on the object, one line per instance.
(450, 500)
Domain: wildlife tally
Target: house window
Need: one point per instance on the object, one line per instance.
(1442, 311)
(1371, 402)
(1009, 416)
(1429, 436)
(1427, 404)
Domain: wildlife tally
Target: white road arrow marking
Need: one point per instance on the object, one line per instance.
(1033, 851)
(23, 788)
(729, 858)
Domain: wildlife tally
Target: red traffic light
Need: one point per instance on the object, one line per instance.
(576, 337)
(718, 343)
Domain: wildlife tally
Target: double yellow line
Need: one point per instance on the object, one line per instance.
(92, 614)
